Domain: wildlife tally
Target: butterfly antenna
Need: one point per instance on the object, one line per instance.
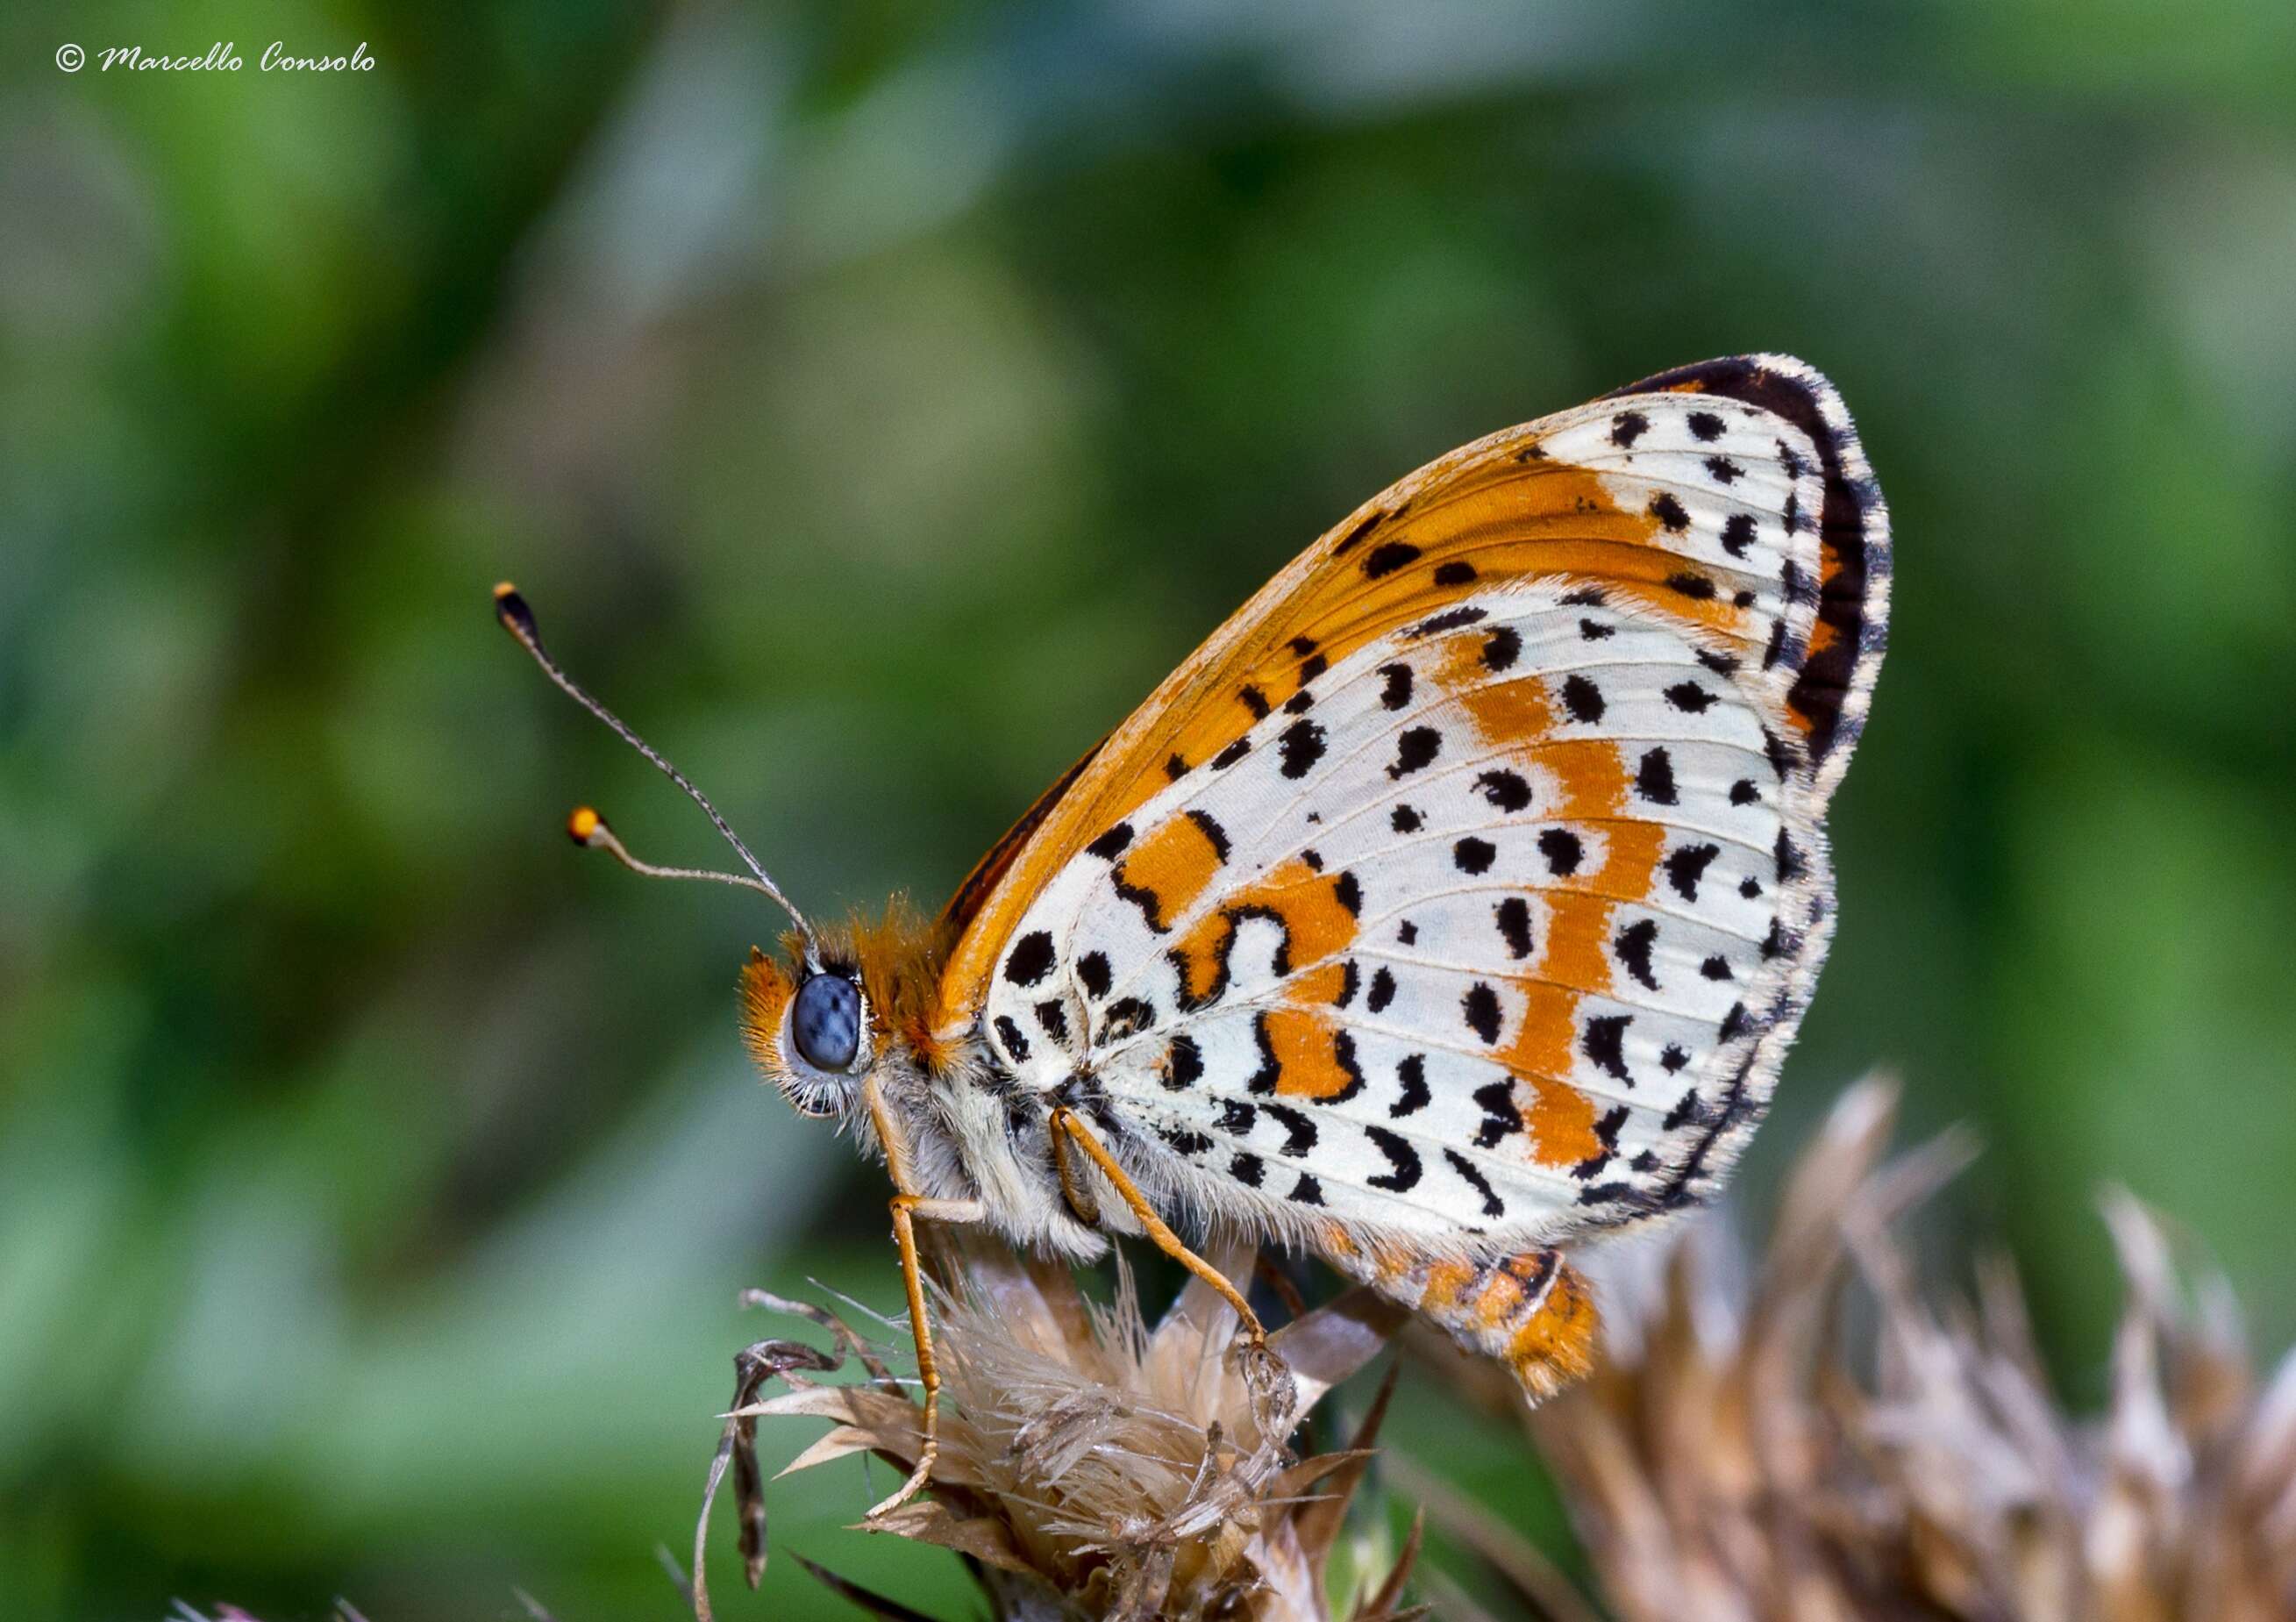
(589, 830)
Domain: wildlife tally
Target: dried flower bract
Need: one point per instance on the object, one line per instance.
(1094, 1465)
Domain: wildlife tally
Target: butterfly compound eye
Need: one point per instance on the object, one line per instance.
(826, 1021)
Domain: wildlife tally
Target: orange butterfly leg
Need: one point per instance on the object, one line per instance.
(906, 1208)
(1065, 1122)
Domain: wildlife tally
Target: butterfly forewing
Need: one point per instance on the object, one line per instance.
(1471, 879)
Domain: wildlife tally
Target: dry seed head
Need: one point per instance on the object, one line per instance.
(1097, 1466)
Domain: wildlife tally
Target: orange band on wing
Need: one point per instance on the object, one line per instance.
(1591, 776)
(1164, 873)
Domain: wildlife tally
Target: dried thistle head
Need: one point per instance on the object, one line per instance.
(1740, 1452)
(1094, 1465)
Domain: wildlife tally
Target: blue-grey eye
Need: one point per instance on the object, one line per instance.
(827, 1021)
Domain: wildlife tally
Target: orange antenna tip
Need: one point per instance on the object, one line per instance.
(516, 617)
(583, 826)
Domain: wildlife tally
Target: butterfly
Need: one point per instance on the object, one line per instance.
(1452, 906)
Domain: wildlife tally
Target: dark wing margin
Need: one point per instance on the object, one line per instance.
(1830, 696)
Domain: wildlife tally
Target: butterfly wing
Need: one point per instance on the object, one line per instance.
(1471, 879)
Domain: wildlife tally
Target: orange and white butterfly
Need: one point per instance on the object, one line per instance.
(1454, 905)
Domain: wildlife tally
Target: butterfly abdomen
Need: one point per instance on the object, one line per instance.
(1532, 1312)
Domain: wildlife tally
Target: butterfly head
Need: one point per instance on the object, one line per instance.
(822, 1015)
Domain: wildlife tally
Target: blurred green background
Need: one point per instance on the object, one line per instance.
(874, 401)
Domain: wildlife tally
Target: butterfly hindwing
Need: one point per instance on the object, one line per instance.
(1460, 946)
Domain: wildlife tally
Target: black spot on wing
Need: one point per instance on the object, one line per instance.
(1633, 946)
(1009, 1038)
(1514, 915)
(1111, 845)
(1403, 819)
(1501, 648)
(1450, 619)
(1582, 698)
(1092, 968)
(1506, 790)
(1493, 1205)
(1411, 1087)
(1655, 778)
(1563, 851)
(1722, 470)
(1685, 866)
(1595, 631)
(1472, 855)
(1401, 1155)
(1605, 1042)
(1690, 698)
(1230, 755)
(1300, 745)
(1306, 1192)
(1455, 573)
(1415, 751)
(1381, 992)
(1501, 1118)
(1669, 512)
(1387, 557)
(1255, 701)
(1362, 527)
(1705, 425)
(1481, 1006)
(1697, 588)
(1627, 427)
(1300, 1132)
(1030, 959)
(1183, 1063)
(1738, 533)
(1396, 693)
(1053, 1019)
(1248, 1169)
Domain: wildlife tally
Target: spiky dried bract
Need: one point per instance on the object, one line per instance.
(1736, 1456)
(1096, 1466)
